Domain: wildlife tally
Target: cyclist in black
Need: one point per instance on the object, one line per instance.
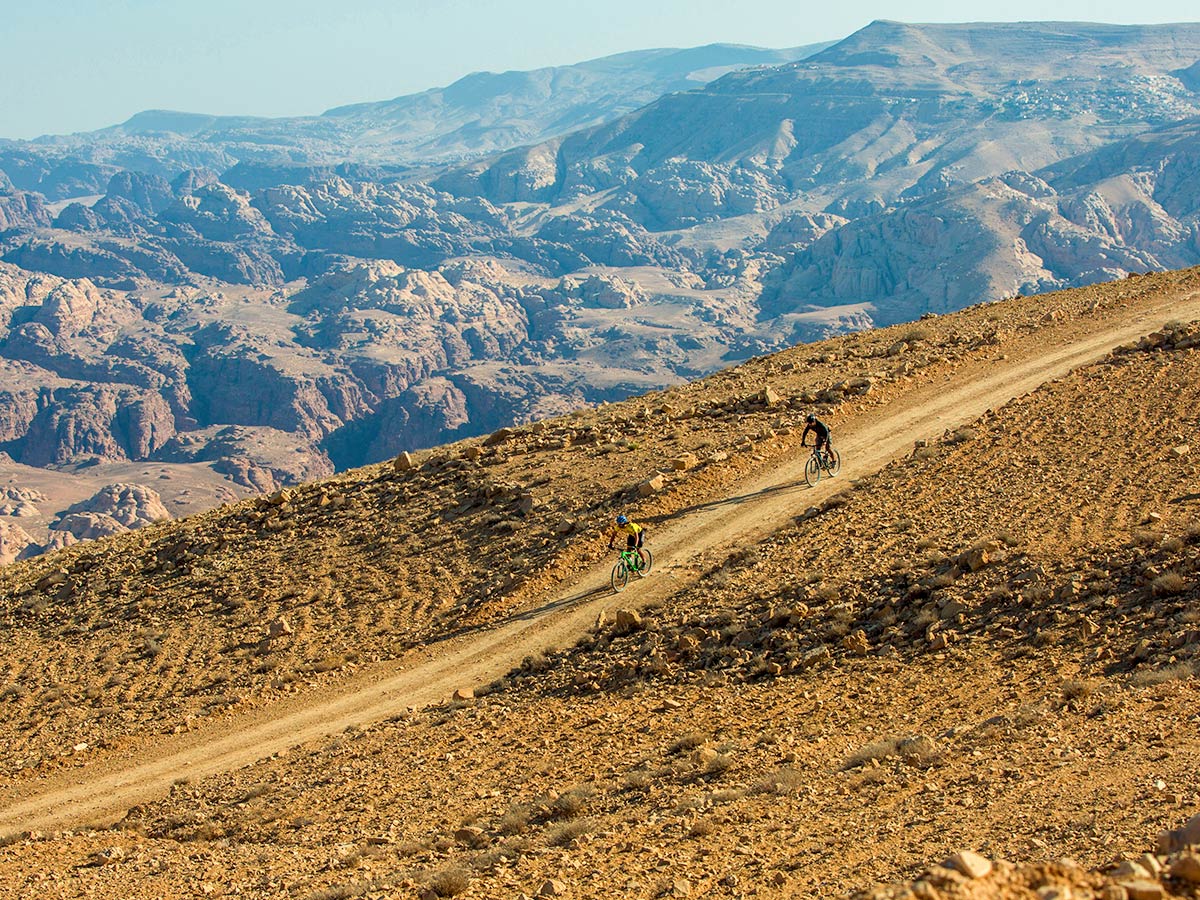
(820, 429)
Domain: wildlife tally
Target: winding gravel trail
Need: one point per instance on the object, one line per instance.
(103, 791)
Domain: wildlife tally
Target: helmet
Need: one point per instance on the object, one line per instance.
(622, 520)
(810, 418)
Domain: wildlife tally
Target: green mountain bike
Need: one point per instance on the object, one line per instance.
(828, 463)
(636, 561)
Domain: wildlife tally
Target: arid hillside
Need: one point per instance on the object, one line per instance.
(984, 644)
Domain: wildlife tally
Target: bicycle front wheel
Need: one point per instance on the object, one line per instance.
(620, 576)
(645, 560)
(812, 471)
(834, 460)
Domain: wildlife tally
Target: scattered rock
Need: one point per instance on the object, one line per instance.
(684, 462)
(857, 643)
(464, 693)
(1187, 868)
(651, 486)
(499, 437)
(970, 864)
(1180, 451)
(404, 462)
(1144, 889)
(278, 628)
(627, 620)
(552, 887)
(1181, 838)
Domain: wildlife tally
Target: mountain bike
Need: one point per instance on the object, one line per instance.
(637, 561)
(828, 462)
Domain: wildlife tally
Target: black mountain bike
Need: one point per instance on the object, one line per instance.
(822, 462)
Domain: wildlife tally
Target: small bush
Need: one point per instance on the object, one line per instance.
(782, 781)
(570, 804)
(638, 780)
(1168, 584)
(450, 881)
(515, 819)
(1177, 672)
(568, 832)
(1078, 688)
(689, 741)
(701, 828)
(880, 749)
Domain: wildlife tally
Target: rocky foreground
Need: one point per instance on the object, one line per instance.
(983, 657)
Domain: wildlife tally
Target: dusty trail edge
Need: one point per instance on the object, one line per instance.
(102, 792)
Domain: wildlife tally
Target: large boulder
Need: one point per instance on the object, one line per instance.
(129, 505)
(14, 542)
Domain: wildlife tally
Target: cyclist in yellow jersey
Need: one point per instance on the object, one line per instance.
(635, 534)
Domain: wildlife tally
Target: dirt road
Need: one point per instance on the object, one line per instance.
(103, 791)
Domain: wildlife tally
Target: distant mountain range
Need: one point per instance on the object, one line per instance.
(275, 297)
(476, 115)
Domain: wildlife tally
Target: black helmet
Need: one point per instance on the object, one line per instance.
(810, 418)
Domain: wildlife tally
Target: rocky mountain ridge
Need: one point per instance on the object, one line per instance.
(476, 115)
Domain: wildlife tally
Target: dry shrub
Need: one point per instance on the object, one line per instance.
(962, 435)
(1078, 688)
(1168, 584)
(701, 828)
(717, 766)
(785, 780)
(340, 892)
(570, 804)
(1008, 538)
(727, 795)
(638, 780)
(827, 593)
(515, 819)
(1177, 672)
(450, 881)
(919, 751)
(1144, 538)
(880, 749)
(508, 850)
(689, 741)
(867, 778)
(568, 832)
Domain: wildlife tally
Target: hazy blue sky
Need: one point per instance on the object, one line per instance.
(76, 65)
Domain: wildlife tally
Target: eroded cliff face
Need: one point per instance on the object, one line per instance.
(353, 366)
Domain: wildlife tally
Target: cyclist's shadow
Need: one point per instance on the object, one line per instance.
(726, 501)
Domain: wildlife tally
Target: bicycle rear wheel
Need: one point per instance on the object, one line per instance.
(620, 576)
(812, 471)
(834, 460)
(645, 560)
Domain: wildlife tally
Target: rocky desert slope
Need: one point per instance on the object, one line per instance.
(971, 673)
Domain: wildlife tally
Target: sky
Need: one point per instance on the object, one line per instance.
(78, 65)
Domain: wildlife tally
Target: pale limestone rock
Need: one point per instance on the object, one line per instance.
(651, 486)
(970, 864)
